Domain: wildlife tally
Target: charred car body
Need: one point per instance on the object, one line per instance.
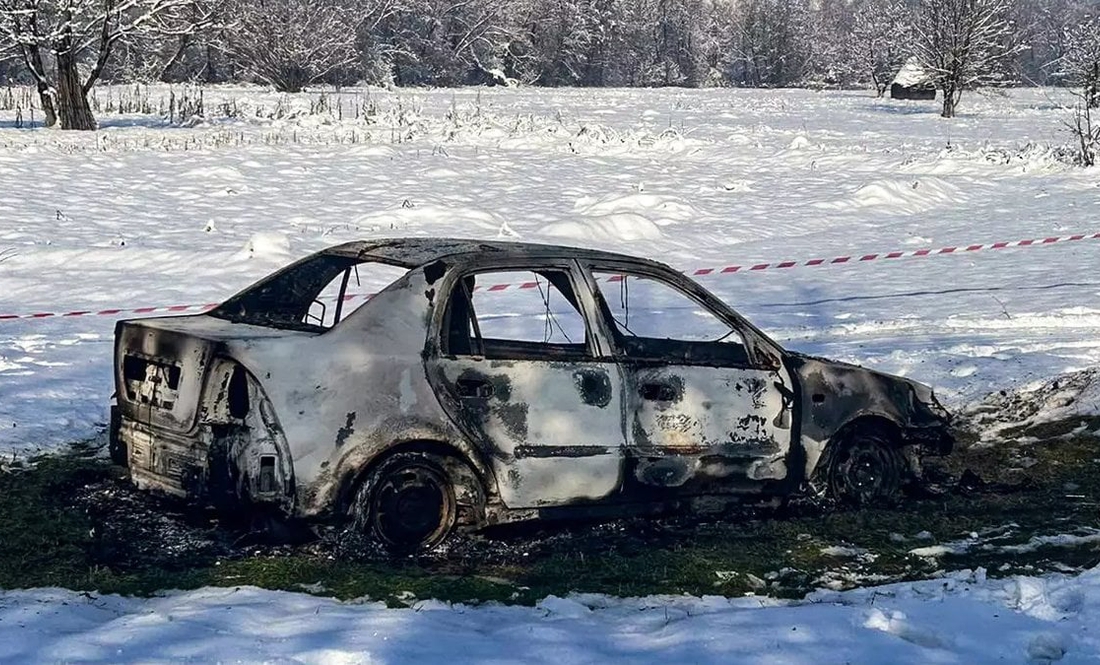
(494, 382)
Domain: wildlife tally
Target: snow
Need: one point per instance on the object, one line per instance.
(961, 618)
(1038, 402)
(987, 541)
(911, 74)
(144, 213)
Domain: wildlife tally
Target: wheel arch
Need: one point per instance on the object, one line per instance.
(245, 429)
(863, 422)
(476, 479)
(870, 422)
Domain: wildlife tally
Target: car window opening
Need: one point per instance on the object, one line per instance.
(639, 309)
(624, 303)
(313, 295)
(551, 320)
(512, 323)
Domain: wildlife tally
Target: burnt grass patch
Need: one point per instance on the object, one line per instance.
(1026, 504)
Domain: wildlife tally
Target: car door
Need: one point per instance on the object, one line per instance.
(704, 397)
(528, 379)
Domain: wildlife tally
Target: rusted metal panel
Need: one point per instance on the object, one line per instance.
(336, 399)
(350, 393)
(171, 463)
(159, 374)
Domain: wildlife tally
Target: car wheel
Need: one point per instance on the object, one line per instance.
(406, 504)
(866, 470)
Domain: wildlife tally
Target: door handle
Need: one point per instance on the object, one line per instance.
(783, 418)
(473, 389)
(659, 392)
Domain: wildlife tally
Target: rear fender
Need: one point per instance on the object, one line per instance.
(249, 456)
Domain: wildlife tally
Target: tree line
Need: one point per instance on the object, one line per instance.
(64, 47)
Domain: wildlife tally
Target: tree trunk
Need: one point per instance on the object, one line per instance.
(72, 102)
(49, 113)
(207, 73)
(1092, 87)
(950, 99)
(289, 78)
(33, 59)
(177, 57)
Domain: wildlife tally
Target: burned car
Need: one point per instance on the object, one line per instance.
(494, 382)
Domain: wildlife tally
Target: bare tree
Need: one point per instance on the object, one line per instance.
(1086, 130)
(769, 42)
(451, 42)
(1043, 26)
(831, 24)
(14, 44)
(55, 37)
(963, 44)
(881, 40)
(680, 42)
(292, 43)
(552, 41)
(1080, 65)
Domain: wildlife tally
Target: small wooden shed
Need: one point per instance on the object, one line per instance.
(912, 82)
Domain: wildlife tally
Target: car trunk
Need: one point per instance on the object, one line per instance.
(161, 368)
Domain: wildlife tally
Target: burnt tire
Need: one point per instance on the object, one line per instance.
(406, 504)
(864, 469)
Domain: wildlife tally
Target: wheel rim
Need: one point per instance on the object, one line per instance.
(866, 471)
(412, 507)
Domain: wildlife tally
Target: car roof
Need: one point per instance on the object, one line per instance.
(415, 252)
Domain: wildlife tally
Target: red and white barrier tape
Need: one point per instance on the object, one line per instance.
(960, 249)
(699, 272)
(177, 309)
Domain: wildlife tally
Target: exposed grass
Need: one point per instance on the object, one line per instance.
(43, 541)
(53, 532)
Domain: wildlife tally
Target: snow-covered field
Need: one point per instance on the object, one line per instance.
(963, 618)
(144, 213)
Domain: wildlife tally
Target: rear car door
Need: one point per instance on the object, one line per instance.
(705, 399)
(528, 378)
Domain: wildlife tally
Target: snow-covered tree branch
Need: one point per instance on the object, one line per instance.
(65, 46)
(1080, 66)
(292, 43)
(963, 44)
(55, 39)
(882, 35)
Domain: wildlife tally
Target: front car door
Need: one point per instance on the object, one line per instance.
(706, 396)
(530, 380)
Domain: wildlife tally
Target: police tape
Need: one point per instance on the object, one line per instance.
(698, 272)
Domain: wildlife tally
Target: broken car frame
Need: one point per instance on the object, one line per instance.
(430, 408)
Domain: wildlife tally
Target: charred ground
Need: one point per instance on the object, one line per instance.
(1023, 503)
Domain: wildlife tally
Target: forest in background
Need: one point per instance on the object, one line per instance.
(66, 46)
